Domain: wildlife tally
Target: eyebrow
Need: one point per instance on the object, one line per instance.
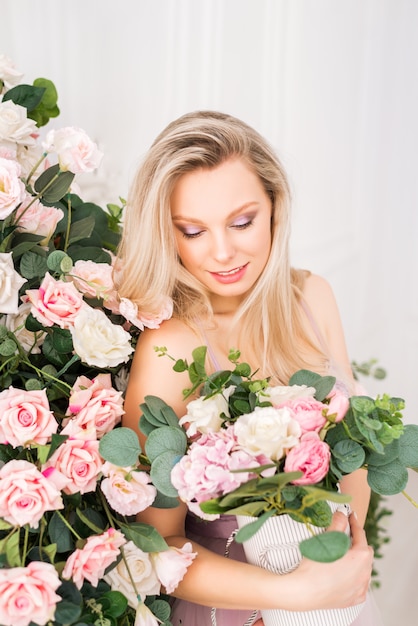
(193, 220)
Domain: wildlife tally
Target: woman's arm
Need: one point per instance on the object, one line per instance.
(321, 301)
(212, 580)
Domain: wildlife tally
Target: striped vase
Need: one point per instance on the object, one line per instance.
(275, 546)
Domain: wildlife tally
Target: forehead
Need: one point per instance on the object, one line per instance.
(227, 186)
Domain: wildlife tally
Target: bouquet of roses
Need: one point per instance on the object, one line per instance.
(68, 552)
(250, 449)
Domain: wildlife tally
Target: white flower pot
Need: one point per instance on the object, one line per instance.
(275, 546)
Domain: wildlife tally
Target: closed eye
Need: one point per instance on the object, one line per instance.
(191, 234)
(242, 225)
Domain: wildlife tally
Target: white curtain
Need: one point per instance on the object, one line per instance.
(333, 85)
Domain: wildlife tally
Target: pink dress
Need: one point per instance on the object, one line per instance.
(214, 536)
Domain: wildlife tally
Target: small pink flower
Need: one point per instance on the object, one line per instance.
(94, 279)
(141, 319)
(338, 406)
(79, 460)
(25, 417)
(55, 302)
(76, 151)
(91, 561)
(308, 412)
(38, 219)
(26, 494)
(312, 457)
(95, 404)
(127, 490)
(171, 565)
(27, 594)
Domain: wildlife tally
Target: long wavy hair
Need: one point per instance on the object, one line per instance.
(270, 317)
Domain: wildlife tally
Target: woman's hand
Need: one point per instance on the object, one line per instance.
(342, 583)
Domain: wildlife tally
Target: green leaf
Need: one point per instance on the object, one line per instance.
(388, 479)
(12, 550)
(66, 612)
(408, 446)
(33, 265)
(145, 537)
(247, 531)
(8, 347)
(54, 357)
(349, 455)
(62, 340)
(164, 502)
(91, 519)
(32, 324)
(161, 472)
(166, 438)
(82, 229)
(60, 534)
(26, 96)
(120, 447)
(389, 454)
(362, 404)
(250, 509)
(161, 610)
(325, 547)
(52, 185)
(322, 384)
(117, 603)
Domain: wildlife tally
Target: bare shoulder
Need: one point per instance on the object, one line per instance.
(152, 374)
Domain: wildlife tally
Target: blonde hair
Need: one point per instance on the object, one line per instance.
(269, 318)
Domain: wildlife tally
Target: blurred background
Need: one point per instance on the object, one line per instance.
(333, 86)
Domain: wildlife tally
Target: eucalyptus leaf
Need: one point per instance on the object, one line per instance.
(66, 612)
(33, 265)
(161, 610)
(408, 446)
(120, 447)
(250, 529)
(62, 340)
(165, 502)
(389, 454)
(349, 455)
(117, 603)
(325, 547)
(161, 471)
(163, 439)
(145, 537)
(389, 479)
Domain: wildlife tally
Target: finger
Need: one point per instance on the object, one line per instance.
(357, 531)
(339, 522)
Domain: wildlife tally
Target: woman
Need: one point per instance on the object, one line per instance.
(207, 225)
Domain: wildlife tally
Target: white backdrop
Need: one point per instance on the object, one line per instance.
(332, 84)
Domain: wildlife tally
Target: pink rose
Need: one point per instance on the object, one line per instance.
(311, 456)
(25, 417)
(308, 412)
(76, 151)
(55, 302)
(39, 219)
(26, 494)
(12, 190)
(171, 565)
(141, 319)
(79, 460)
(95, 404)
(94, 279)
(91, 561)
(127, 490)
(337, 407)
(27, 594)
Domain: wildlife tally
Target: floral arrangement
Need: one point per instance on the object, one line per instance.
(246, 448)
(69, 552)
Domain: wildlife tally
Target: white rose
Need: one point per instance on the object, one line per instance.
(28, 157)
(141, 570)
(203, 415)
(76, 151)
(10, 283)
(14, 124)
(267, 431)
(16, 324)
(9, 75)
(12, 190)
(281, 393)
(97, 341)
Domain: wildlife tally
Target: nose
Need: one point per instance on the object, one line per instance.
(223, 248)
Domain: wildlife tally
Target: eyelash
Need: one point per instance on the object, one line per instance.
(237, 226)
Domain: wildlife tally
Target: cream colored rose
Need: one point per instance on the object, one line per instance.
(12, 190)
(280, 394)
(10, 283)
(30, 342)
(97, 341)
(142, 572)
(204, 415)
(267, 431)
(9, 75)
(14, 124)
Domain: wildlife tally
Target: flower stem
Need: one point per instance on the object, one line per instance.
(67, 232)
(411, 500)
(68, 525)
(35, 167)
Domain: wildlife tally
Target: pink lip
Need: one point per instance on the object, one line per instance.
(232, 277)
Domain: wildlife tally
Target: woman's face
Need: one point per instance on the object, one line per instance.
(222, 225)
